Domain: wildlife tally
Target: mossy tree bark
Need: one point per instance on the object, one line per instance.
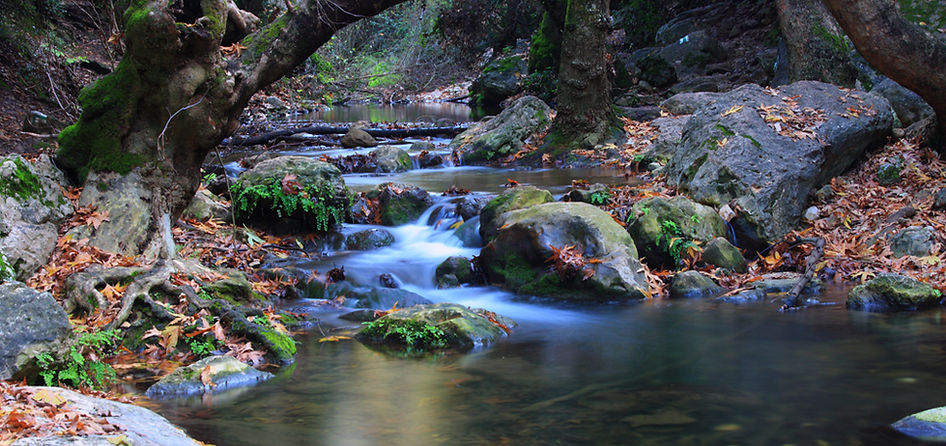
(176, 95)
(585, 117)
(546, 45)
(817, 48)
(897, 48)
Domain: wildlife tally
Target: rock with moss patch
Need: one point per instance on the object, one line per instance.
(519, 256)
(454, 271)
(893, 292)
(597, 194)
(689, 284)
(399, 204)
(504, 134)
(32, 208)
(31, 323)
(369, 239)
(498, 81)
(234, 288)
(224, 373)
(437, 326)
(928, 425)
(358, 137)
(664, 229)
(719, 252)
(381, 298)
(291, 193)
(391, 159)
(913, 241)
(521, 197)
(206, 205)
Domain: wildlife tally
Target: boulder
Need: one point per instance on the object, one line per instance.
(392, 159)
(656, 70)
(399, 204)
(31, 323)
(357, 137)
(908, 106)
(691, 53)
(369, 239)
(663, 227)
(520, 197)
(504, 134)
(498, 81)
(224, 373)
(31, 209)
(135, 425)
(435, 326)
(719, 252)
(206, 205)
(928, 425)
(454, 271)
(470, 206)
(291, 193)
(913, 241)
(689, 284)
(939, 202)
(893, 292)
(520, 254)
(730, 153)
(381, 298)
(597, 194)
(469, 233)
(669, 135)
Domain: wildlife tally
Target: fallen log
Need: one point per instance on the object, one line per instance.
(332, 130)
(794, 300)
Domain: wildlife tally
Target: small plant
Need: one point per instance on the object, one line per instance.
(6, 270)
(82, 366)
(316, 203)
(209, 178)
(416, 334)
(201, 346)
(677, 245)
(600, 197)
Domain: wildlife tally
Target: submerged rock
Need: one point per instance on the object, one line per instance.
(224, 372)
(893, 292)
(453, 272)
(928, 425)
(436, 326)
(31, 323)
(504, 134)
(521, 197)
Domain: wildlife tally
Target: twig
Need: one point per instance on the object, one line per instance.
(53, 88)
(794, 296)
(168, 123)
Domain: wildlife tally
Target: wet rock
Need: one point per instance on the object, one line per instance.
(469, 233)
(456, 326)
(719, 252)
(225, 373)
(940, 201)
(913, 241)
(738, 157)
(392, 159)
(369, 239)
(888, 173)
(31, 323)
(421, 146)
(234, 288)
(360, 316)
(781, 283)
(357, 137)
(274, 103)
(400, 203)
(893, 292)
(427, 159)
(504, 134)
(928, 425)
(388, 281)
(206, 205)
(517, 257)
(596, 194)
(520, 197)
(385, 298)
(138, 425)
(689, 284)
(453, 272)
(659, 221)
(743, 297)
(498, 81)
(470, 206)
(908, 106)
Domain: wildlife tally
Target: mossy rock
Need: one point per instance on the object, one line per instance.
(719, 252)
(225, 373)
(504, 134)
(664, 224)
(436, 326)
(498, 81)
(520, 197)
(380, 298)
(235, 288)
(392, 159)
(689, 284)
(928, 425)
(374, 238)
(893, 292)
(454, 271)
(400, 203)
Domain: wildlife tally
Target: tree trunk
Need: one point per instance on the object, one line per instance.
(584, 116)
(546, 44)
(173, 98)
(897, 48)
(817, 49)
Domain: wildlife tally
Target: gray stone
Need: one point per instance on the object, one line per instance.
(356, 137)
(123, 198)
(908, 106)
(689, 284)
(893, 292)
(140, 426)
(518, 257)
(225, 373)
(498, 81)
(643, 113)
(31, 323)
(391, 159)
(385, 298)
(738, 157)
(824, 194)
(520, 197)
(719, 252)
(275, 103)
(469, 233)
(670, 133)
(811, 214)
(913, 241)
(463, 327)
(504, 134)
(369, 239)
(206, 205)
(458, 268)
(596, 194)
(692, 53)
(928, 425)
(470, 206)
(940, 202)
(660, 221)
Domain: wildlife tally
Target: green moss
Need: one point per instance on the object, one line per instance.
(516, 271)
(754, 141)
(216, 14)
(726, 131)
(695, 167)
(257, 43)
(408, 332)
(837, 42)
(546, 46)
(24, 184)
(282, 347)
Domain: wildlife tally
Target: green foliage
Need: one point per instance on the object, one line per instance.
(416, 334)
(316, 203)
(672, 239)
(929, 14)
(24, 184)
(546, 45)
(203, 345)
(889, 172)
(81, 367)
(838, 42)
(6, 270)
(541, 84)
(601, 197)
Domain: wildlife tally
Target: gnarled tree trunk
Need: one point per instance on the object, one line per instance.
(148, 126)
(897, 48)
(817, 49)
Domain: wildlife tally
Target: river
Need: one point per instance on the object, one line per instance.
(662, 372)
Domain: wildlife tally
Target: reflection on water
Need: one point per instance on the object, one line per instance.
(444, 112)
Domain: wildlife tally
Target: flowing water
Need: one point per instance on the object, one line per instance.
(687, 372)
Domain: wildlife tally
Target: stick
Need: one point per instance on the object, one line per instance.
(794, 300)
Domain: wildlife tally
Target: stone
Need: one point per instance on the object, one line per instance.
(427, 159)
(811, 214)
(458, 268)
(642, 113)
(470, 206)
(893, 292)
(225, 373)
(824, 194)
(914, 241)
(939, 202)
(928, 425)
(719, 252)
(357, 137)
(469, 233)
(31, 323)
(123, 198)
(235, 287)
(400, 203)
(518, 257)
(206, 205)
(888, 173)
(669, 134)
(139, 426)
(275, 103)
(520, 197)
(392, 159)
(369, 239)
(908, 106)
(498, 81)
(597, 194)
(661, 221)
(656, 71)
(462, 327)
(730, 154)
(689, 284)
(385, 298)
(504, 134)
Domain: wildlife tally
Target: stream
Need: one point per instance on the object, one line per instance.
(681, 372)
